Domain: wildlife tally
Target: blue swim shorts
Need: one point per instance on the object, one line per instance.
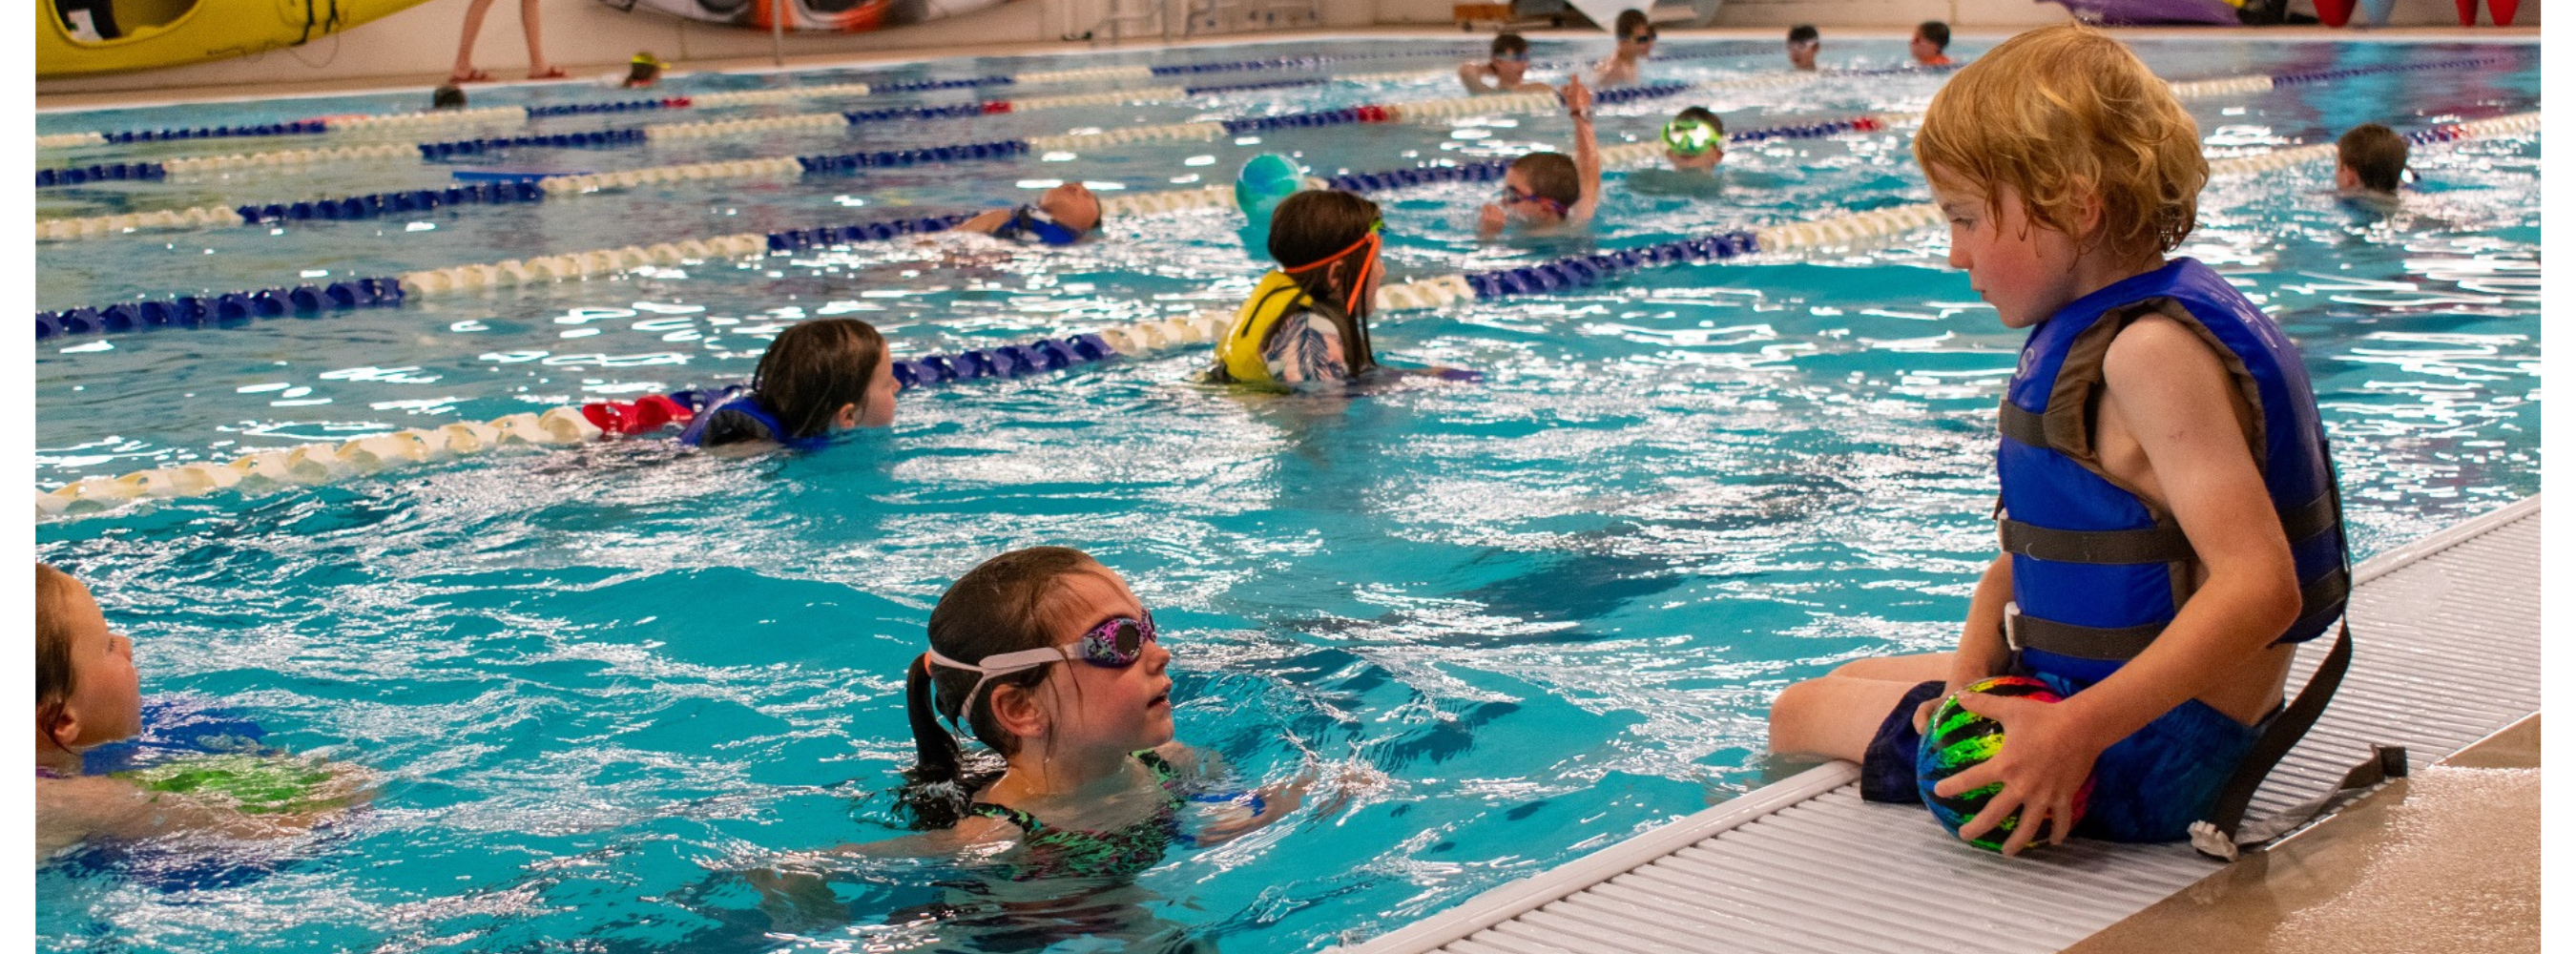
(2148, 787)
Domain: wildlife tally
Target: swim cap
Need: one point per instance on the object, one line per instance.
(1266, 180)
(1956, 740)
(647, 59)
(1690, 137)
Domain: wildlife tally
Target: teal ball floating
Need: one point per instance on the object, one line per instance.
(1266, 180)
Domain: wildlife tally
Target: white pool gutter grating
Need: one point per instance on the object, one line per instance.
(1803, 865)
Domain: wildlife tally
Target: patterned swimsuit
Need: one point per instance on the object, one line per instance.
(1098, 854)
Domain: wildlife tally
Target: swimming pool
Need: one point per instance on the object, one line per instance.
(1549, 608)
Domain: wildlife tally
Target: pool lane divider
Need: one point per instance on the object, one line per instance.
(129, 317)
(320, 463)
(184, 311)
(1844, 231)
(710, 99)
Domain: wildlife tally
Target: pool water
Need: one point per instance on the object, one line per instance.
(1506, 623)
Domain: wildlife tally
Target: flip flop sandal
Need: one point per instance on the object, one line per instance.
(551, 74)
(476, 76)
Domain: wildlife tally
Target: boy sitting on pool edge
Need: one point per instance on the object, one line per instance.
(1548, 191)
(2168, 516)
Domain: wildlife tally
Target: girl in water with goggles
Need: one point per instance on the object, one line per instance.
(1047, 658)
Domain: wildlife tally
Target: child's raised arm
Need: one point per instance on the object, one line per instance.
(1587, 153)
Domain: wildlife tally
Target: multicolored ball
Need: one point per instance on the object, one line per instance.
(1956, 740)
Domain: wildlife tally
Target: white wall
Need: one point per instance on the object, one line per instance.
(589, 37)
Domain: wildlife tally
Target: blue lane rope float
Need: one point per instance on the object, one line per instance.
(475, 147)
(355, 207)
(103, 172)
(619, 106)
(826, 236)
(217, 309)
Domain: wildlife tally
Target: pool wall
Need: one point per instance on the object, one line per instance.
(593, 39)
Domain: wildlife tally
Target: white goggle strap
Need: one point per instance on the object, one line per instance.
(998, 664)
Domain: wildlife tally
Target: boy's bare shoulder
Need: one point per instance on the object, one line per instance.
(2153, 348)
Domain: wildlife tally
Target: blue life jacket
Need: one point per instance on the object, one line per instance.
(748, 405)
(2096, 572)
(1028, 224)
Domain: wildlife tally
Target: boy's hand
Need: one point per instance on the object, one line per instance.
(1577, 98)
(2047, 755)
(1490, 220)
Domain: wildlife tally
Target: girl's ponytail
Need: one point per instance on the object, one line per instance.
(937, 750)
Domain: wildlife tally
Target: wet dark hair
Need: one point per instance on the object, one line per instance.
(1937, 32)
(447, 97)
(2374, 152)
(1509, 43)
(1628, 22)
(1802, 33)
(1552, 174)
(1000, 606)
(54, 590)
(1702, 114)
(1308, 228)
(807, 374)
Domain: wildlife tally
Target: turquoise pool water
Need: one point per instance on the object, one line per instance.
(1542, 612)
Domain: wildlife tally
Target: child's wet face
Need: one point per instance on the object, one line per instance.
(1923, 50)
(1704, 162)
(106, 702)
(1803, 55)
(1516, 183)
(1509, 71)
(2023, 269)
(878, 410)
(1096, 707)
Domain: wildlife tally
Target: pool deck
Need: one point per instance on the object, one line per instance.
(2451, 852)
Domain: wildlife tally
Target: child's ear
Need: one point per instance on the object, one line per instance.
(1018, 712)
(846, 418)
(66, 725)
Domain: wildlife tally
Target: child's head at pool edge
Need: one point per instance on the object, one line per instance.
(86, 690)
(1032, 599)
(2059, 159)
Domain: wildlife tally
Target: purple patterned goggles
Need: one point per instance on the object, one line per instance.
(1114, 644)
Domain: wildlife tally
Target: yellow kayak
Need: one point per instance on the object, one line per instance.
(80, 37)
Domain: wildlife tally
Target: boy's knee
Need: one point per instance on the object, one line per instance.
(1791, 712)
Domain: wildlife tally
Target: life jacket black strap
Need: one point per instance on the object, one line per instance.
(2079, 642)
(2162, 543)
(2024, 426)
(2225, 829)
(2324, 595)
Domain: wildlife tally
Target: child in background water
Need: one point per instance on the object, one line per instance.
(1307, 323)
(1047, 658)
(2370, 163)
(817, 378)
(1546, 191)
(87, 695)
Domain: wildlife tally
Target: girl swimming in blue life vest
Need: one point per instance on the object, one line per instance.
(818, 377)
(87, 695)
(1048, 658)
(1308, 322)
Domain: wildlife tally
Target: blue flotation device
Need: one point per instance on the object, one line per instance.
(748, 404)
(1030, 224)
(2096, 573)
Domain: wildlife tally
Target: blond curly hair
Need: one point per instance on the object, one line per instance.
(2066, 114)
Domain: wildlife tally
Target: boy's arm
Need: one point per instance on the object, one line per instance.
(984, 223)
(1982, 652)
(2167, 387)
(1587, 153)
(1473, 75)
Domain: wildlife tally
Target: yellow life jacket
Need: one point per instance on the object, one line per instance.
(1239, 352)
